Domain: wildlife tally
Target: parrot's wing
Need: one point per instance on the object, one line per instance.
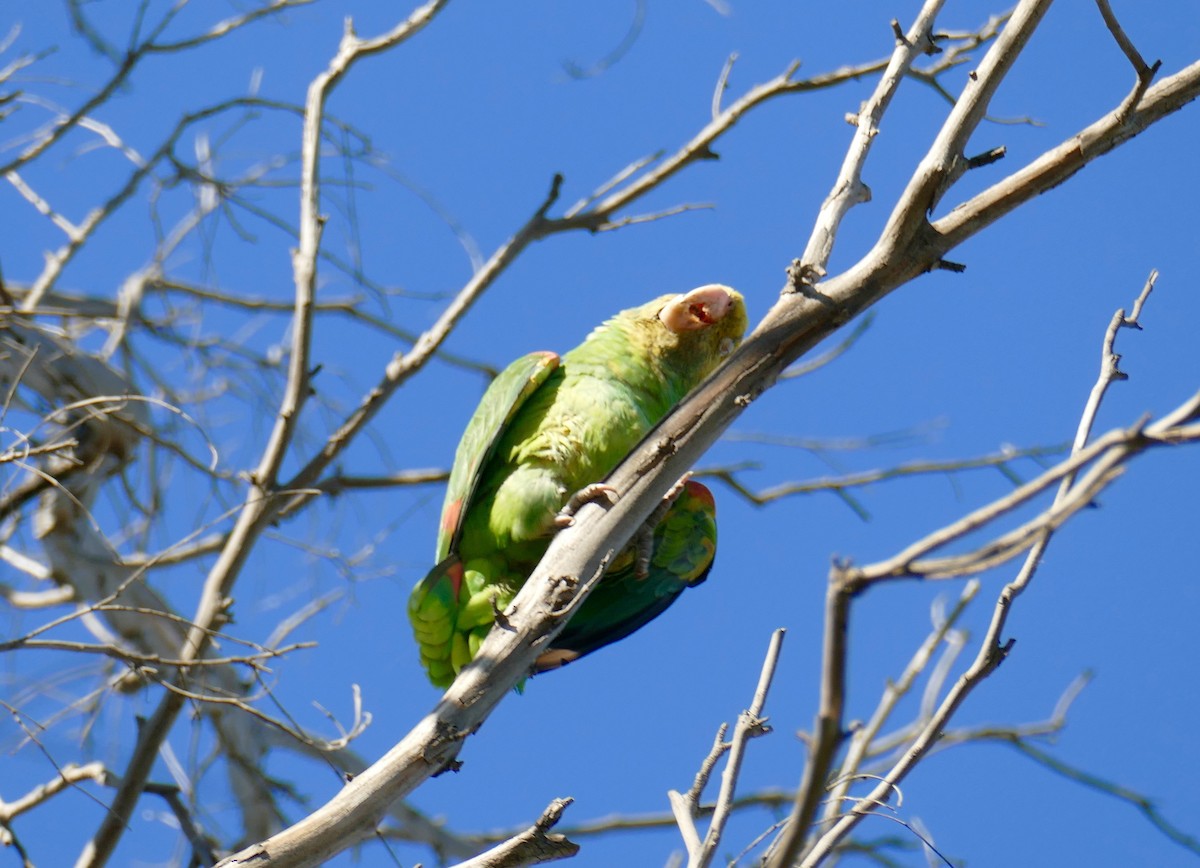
(432, 610)
(437, 603)
(494, 414)
(685, 543)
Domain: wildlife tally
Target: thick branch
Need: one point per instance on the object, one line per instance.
(849, 189)
(796, 324)
(214, 597)
(946, 160)
(827, 730)
(1058, 164)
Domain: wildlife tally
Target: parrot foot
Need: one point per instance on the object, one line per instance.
(588, 494)
(501, 618)
(643, 540)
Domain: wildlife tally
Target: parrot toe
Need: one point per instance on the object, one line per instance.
(593, 493)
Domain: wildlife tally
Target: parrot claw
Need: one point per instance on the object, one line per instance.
(501, 618)
(668, 500)
(588, 494)
(643, 540)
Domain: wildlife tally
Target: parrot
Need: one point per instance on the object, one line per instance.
(546, 431)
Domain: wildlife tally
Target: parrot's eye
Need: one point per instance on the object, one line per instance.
(725, 347)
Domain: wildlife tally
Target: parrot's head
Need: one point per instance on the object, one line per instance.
(696, 330)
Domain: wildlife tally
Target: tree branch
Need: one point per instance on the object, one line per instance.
(533, 846)
(800, 320)
(750, 724)
(992, 651)
(252, 519)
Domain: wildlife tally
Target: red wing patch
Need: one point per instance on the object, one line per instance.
(455, 573)
(450, 516)
(701, 493)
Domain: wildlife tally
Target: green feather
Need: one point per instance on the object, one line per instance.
(547, 428)
(684, 545)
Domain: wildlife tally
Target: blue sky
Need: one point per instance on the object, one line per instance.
(476, 114)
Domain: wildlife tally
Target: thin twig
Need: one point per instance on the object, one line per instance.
(848, 189)
(685, 807)
(870, 477)
(250, 522)
(1144, 805)
(750, 724)
(531, 847)
(722, 84)
(864, 737)
(991, 650)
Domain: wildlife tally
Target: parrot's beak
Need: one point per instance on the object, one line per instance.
(697, 309)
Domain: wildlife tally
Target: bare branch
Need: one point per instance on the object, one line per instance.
(1144, 805)
(1144, 73)
(945, 161)
(864, 478)
(797, 323)
(827, 732)
(805, 368)
(339, 482)
(685, 807)
(153, 307)
(68, 776)
(722, 84)
(863, 739)
(750, 724)
(991, 650)
(203, 849)
(225, 27)
(532, 846)
(849, 189)
(1060, 163)
(635, 29)
(252, 519)
(126, 62)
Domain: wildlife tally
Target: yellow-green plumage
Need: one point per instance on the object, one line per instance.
(547, 428)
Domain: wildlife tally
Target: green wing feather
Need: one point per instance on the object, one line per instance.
(685, 544)
(499, 405)
(451, 608)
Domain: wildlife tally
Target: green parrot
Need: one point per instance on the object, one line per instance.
(546, 431)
